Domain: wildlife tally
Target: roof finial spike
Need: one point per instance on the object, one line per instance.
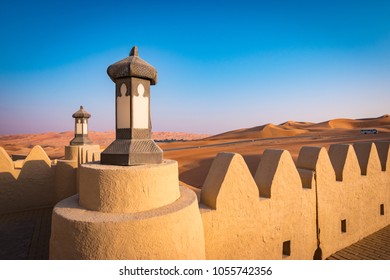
(134, 51)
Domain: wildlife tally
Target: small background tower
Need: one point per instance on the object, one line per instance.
(81, 128)
(81, 148)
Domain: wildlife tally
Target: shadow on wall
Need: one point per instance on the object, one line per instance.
(29, 187)
(268, 216)
(273, 209)
(327, 202)
(38, 182)
(197, 175)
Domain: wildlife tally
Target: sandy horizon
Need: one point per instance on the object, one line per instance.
(54, 142)
(196, 154)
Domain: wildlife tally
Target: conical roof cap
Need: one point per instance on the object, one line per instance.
(81, 113)
(133, 66)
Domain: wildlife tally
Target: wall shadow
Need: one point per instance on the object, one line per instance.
(196, 176)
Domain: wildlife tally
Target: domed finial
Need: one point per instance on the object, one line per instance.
(134, 51)
(81, 107)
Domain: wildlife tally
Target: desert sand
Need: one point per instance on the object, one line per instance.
(195, 155)
(195, 162)
(53, 142)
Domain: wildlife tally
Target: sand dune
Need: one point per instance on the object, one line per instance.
(195, 156)
(251, 142)
(293, 124)
(265, 131)
(292, 128)
(360, 124)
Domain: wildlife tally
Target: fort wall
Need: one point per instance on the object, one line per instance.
(37, 181)
(31, 186)
(327, 200)
(269, 216)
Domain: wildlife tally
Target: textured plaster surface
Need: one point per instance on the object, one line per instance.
(38, 182)
(65, 179)
(31, 187)
(128, 189)
(173, 231)
(361, 187)
(242, 217)
(244, 225)
(82, 153)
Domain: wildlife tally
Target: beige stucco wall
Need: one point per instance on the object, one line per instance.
(173, 231)
(72, 153)
(128, 189)
(241, 217)
(30, 187)
(82, 153)
(6, 163)
(229, 202)
(355, 196)
(374, 188)
(304, 204)
(65, 179)
(245, 225)
(384, 155)
(39, 182)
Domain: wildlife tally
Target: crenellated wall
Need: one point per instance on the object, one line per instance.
(326, 201)
(39, 182)
(353, 191)
(31, 186)
(269, 216)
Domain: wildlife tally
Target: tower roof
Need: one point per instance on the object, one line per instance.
(133, 66)
(81, 113)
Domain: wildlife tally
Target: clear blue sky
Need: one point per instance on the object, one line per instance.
(222, 65)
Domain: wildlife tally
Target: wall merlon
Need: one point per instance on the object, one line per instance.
(275, 172)
(6, 163)
(228, 183)
(384, 154)
(368, 158)
(241, 216)
(37, 153)
(344, 161)
(39, 181)
(317, 159)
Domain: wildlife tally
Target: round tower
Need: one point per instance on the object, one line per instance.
(130, 205)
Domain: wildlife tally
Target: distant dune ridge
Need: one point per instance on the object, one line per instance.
(292, 128)
(53, 142)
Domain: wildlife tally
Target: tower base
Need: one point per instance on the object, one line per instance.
(132, 152)
(80, 139)
(171, 232)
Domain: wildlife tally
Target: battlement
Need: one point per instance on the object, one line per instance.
(327, 200)
(38, 181)
(28, 183)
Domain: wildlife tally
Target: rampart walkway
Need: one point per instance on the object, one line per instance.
(373, 247)
(25, 236)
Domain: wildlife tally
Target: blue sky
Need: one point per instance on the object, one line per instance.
(222, 65)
